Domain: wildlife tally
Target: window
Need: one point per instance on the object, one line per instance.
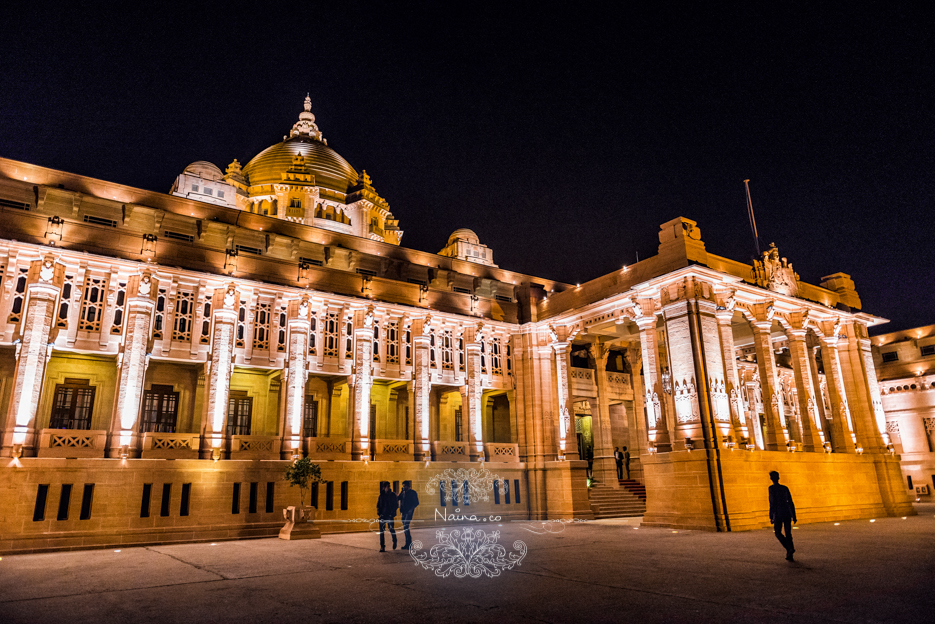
(160, 314)
(64, 306)
(206, 324)
(73, 404)
(890, 356)
(447, 360)
(495, 359)
(160, 410)
(310, 418)
(928, 349)
(221, 194)
(195, 187)
(239, 413)
(208, 191)
(261, 327)
(295, 203)
(331, 335)
(392, 338)
(184, 310)
(117, 326)
(188, 238)
(92, 305)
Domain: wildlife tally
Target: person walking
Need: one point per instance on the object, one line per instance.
(386, 512)
(618, 457)
(626, 460)
(408, 501)
(782, 513)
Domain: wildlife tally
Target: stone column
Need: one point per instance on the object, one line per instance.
(605, 468)
(842, 437)
(725, 317)
(860, 380)
(808, 408)
(567, 438)
(472, 390)
(224, 308)
(44, 285)
(141, 301)
(773, 437)
(296, 375)
(421, 387)
(638, 437)
(657, 429)
(363, 380)
(684, 380)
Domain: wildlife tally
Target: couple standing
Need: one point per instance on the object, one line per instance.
(388, 503)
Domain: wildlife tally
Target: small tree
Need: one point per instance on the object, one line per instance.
(303, 473)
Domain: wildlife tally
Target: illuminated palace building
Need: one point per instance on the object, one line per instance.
(164, 356)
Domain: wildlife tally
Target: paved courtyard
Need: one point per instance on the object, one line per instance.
(607, 571)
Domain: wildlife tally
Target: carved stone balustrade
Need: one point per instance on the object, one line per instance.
(393, 450)
(72, 443)
(581, 382)
(618, 386)
(171, 445)
(324, 449)
(255, 447)
(451, 451)
(498, 452)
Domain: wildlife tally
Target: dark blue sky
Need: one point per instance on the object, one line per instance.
(563, 137)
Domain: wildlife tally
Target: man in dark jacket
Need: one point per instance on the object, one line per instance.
(408, 501)
(781, 513)
(386, 512)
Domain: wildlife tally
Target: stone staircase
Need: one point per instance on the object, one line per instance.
(627, 501)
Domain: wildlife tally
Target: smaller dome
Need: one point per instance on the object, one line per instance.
(204, 169)
(463, 234)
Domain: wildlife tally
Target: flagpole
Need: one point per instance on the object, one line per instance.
(756, 237)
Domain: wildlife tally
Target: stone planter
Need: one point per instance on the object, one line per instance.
(299, 523)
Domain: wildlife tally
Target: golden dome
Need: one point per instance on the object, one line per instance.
(330, 169)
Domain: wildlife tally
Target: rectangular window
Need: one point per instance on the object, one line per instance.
(186, 499)
(310, 418)
(166, 499)
(315, 495)
(63, 502)
(331, 335)
(147, 497)
(459, 434)
(270, 494)
(261, 327)
(516, 490)
(184, 311)
(329, 495)
(239, 413)
(495, 359)
(256, 251)
(73, 405)
(209, 191)
(87, 496)
(392, 342)
(100, 221)
(117, 326)
(496, 491)
(160, 314)
(454, 493)
(504, 299)
(447, 357)
(188, 238)
(92, 304)
(441, 494)
(928, 350)
(466, 492)
(160, 410)
(909, 479)
(254, 495)
(890, 356)
(42, 495)
(463, 291)
(311, 261)
(206, 325)
(506, 491)
(235, 499)
(9, 203)
(344, 495)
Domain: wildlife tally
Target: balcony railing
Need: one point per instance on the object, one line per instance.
(451, 451)
(328, 448)
(255, 447)
(171, 445)
(393, 450)
(499, 452)
(72, 443)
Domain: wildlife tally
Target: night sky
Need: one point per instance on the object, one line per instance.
(563, 137)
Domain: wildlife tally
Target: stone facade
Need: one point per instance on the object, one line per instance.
(137, 327)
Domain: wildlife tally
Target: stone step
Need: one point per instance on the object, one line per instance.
(610, 502)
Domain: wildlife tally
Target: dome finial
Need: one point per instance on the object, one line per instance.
(305, 126)
(308, 102)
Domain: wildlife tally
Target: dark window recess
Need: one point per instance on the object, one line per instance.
(42, 495)
(344, 495)
(100, 221)
(239, 413)
(166, 499)
(87, 498)
(311, 261)
(441, 494)
(516, 491)
(496, 492)
(890, 356)
(250, 250)
(928, 349)
(160, 410)
(315, 495)
(63, 501)
(310, 418)
(8, 203)
(466, 493)
(147, 497)
(186, 499)
(420, 282)
(504, 299)
(329, 495)
(235, 499)
(463, 291)
(506, 492)
(459, 425)
(188, 238)
(366, 272)
(909, 478)
(270, 494)
(254, 492)
(73, 405)
(454, 493)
